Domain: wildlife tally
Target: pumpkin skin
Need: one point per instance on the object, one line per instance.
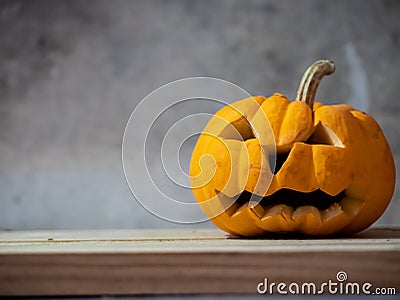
(337, 173)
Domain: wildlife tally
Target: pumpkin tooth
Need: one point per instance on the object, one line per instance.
(234, 217)
(257, 208)
(334, 218)
(241, 209)
(351, 206)
(334, 210)
(278, 218)
(280, 209)
(241, 219)
(306, 210)
(232, 209)
(308, 219)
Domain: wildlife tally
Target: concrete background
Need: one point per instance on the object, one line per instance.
(71, 72)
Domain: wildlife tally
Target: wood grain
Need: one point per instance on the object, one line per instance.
(186, 261)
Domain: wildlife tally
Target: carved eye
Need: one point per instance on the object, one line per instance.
(322, 135)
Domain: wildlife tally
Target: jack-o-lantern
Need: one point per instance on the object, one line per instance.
(334, 171)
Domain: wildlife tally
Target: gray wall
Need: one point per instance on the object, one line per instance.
(71, 72)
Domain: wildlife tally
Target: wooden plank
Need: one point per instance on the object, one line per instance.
(186, 261)
(109, 235)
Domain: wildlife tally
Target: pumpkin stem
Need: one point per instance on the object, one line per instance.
(311, 78)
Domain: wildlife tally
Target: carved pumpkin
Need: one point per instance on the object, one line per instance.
(334, 171)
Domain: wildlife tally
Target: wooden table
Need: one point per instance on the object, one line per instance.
(186, 261)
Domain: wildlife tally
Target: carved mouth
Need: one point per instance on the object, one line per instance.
(291, 205)
(292, 198)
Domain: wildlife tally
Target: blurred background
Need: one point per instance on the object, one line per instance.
(71, 72)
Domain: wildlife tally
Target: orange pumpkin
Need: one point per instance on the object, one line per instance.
(334, 171)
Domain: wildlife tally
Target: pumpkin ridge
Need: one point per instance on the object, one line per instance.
(278, 134)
